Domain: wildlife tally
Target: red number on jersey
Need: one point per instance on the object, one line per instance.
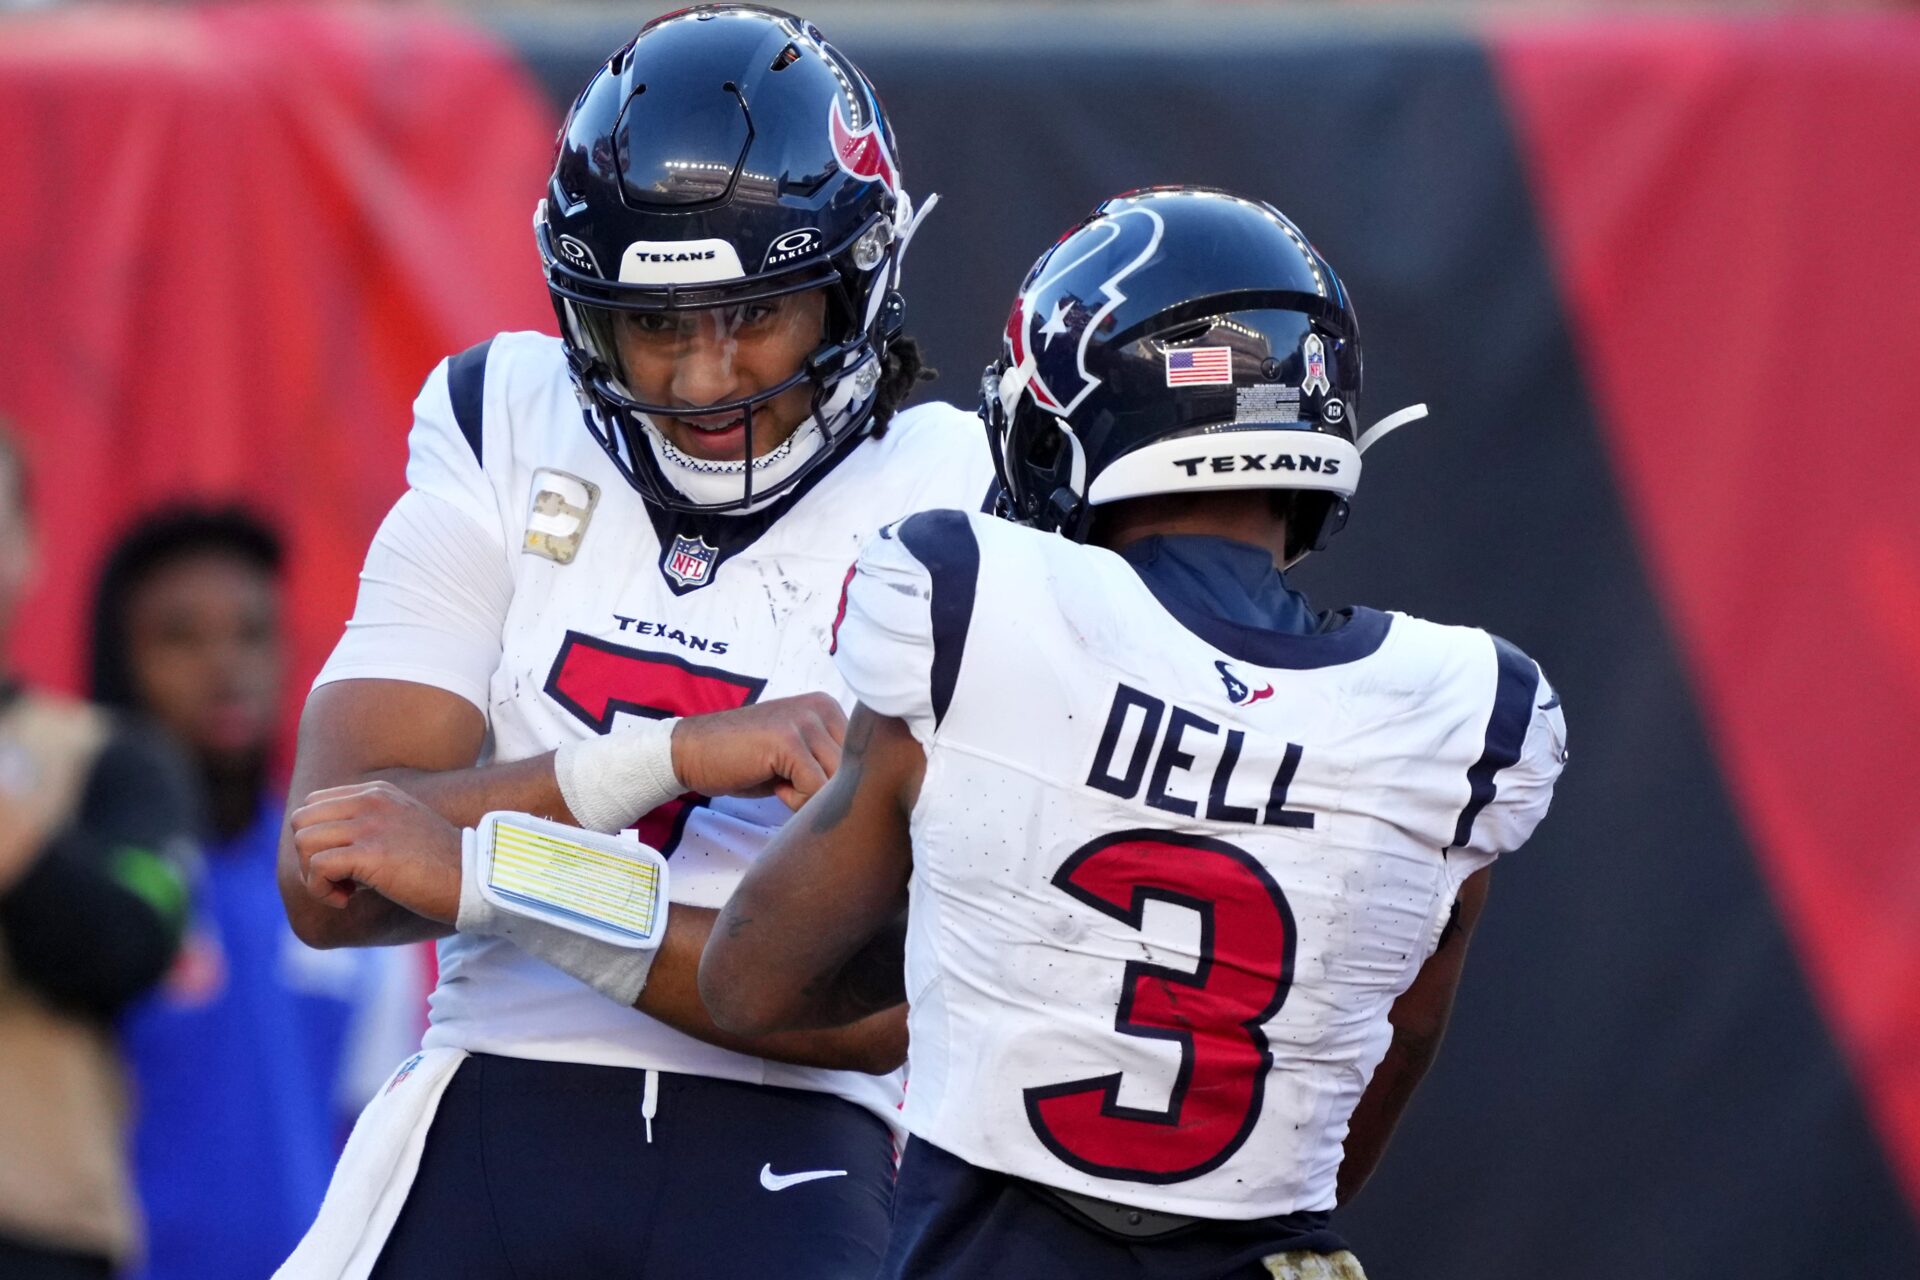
(1217, 1013)
(594, 679)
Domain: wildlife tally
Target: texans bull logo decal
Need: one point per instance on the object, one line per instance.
(1239, 692)
(1059, 302)
(863, 154)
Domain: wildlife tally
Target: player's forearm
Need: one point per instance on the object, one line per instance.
(1381, 1106)
(872, 1039)
(355, 731)
(783, 998)
(464, 796)
(813, 935)
(1419, 1019)
(367, 920)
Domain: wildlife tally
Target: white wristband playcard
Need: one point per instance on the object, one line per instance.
(602, 886)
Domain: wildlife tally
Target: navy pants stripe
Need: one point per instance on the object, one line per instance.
(537, 1170)
(953, 1221)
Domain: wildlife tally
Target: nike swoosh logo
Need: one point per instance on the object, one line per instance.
(781, 1181)
(1551, 702)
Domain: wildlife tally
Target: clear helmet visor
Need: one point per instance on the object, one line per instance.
(698, 373)
(719, 385)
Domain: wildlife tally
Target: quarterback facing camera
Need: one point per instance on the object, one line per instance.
(1181, 339)
(721, 239)
(696, 209)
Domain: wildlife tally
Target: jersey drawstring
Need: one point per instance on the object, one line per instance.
(650, 1101)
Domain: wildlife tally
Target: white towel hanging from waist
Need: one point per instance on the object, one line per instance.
(375, 1172)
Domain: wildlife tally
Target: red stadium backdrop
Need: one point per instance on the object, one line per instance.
(1656, 276)
(233, 242)
(1731, 212)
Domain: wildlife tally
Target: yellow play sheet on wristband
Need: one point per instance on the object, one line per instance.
(594, 885)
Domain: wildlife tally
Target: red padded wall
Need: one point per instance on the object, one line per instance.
(1730, 214)
(233, 241)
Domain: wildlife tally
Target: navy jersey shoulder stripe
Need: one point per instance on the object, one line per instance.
(943, 541)
(1506, 732)
(467, 388)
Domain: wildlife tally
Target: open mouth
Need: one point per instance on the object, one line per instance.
(716, 424)
(715, 437)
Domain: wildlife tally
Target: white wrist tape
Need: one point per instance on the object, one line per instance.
(611, 780)
(593, 906)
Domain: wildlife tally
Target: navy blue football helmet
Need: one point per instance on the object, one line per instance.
(1181, 339)
(727, 158)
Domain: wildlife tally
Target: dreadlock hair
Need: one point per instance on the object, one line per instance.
(902, 369)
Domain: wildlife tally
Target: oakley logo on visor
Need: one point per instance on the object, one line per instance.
(790, 247)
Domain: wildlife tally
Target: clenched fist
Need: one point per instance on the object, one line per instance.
(374, 835)
(787, 747)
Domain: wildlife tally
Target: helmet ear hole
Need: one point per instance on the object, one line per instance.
(893, 315)
(1313, 516)
(1047, 444)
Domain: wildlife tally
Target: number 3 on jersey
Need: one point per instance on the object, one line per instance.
(594, 679)
(1216, 1013)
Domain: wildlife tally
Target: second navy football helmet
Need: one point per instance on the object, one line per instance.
(1181, 339)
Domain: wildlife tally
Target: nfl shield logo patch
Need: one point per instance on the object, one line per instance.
(689, 561)
(400, 1076)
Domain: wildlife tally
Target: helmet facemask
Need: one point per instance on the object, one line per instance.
(664, 371)
(1041, 462)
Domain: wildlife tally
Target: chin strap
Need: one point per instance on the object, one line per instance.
(1077, 474)
(1392, 422)
(1007, 390)
(1068, 503)
(1013, 381)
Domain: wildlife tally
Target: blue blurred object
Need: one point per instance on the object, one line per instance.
(237, 1062)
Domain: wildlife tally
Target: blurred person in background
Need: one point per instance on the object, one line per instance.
(241, 1060)
(95, 821)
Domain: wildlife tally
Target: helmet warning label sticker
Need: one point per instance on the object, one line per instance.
(1266, 403)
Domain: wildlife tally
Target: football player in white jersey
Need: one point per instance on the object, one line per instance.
(606, 599)
(1188, 869)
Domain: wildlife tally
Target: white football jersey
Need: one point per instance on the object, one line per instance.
(604, 622)
(1167, 886)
